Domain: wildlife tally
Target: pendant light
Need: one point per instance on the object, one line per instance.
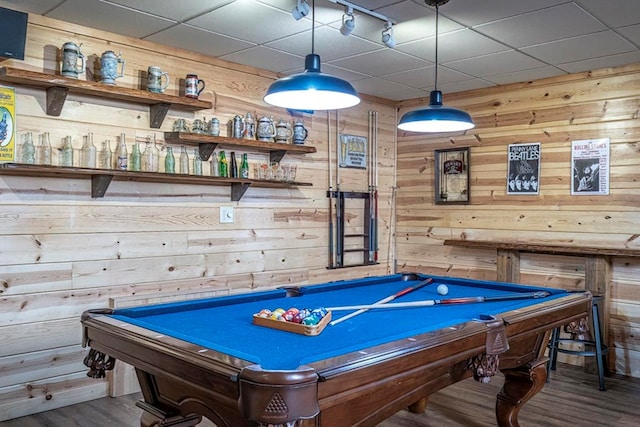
(311, 89)
(436, 117)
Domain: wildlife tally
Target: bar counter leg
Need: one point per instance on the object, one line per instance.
(520, 385)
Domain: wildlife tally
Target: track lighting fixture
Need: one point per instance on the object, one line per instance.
(301, 10)
(348, 21)
(387, 35)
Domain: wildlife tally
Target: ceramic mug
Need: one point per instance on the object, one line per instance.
(109, 67)
(300, 133)
(192, 87)
(70, 56)
(154, 79)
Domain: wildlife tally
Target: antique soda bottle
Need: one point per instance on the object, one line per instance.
(45, 151)
(104, 156)
(28, 149)
(136, 158)
(184, 161)
(233, 169)
(151, 156)
(122, 156)
(88, 153)
(223, 166)
(66, 153)
(244, 167)
(197, 163)
(215, 165)
(169, 161)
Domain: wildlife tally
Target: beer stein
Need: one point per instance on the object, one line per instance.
(70, 56)
(199, 126)
(300, 133)
(249, 131)
(237, 128)
(266, 129)
(283, 131)
(192, 87)
(154, 79)
(180, 125)
(214, 127)
(109, 67)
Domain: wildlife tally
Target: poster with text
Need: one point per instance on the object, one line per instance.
(524, 169)
(590, 167)
(353, 151)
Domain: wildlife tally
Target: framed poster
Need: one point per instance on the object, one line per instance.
(452, 176)
(353, 151)
(523, 171)
(590, 167)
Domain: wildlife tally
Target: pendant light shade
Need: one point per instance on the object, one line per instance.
(436, 117)
(311, 90)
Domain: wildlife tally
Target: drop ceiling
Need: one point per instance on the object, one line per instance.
(481, 43)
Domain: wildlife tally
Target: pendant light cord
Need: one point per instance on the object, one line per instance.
(435, 84)
(313, 26)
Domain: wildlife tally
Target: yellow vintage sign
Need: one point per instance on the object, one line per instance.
(7, 124)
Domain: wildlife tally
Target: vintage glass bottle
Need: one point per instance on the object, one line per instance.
(88, 152)
(233, 169)
(151, 157)
(215, 165)
(66, 152)
(169, 161)
(136, 158)
(244, 167)
(44, 151)
(184, 161)
(28, 149)
(197, 163)
(105, 155)
(122, 156)
(223, 166)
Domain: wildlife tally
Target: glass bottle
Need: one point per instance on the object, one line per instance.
(233, 169)
(66, 153)
(215, 165)
(136, 158)
(197, 163)
(45, 151)
(88, 152)
(244, 167)
(223, 166)
(104, 156)
(184, 161)
(28, 149)
(122, 156)
(151, 156)
(169, 161)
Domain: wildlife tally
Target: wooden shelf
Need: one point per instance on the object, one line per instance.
(101, 178)
(57, 88)
(544, 249)
(207, 144)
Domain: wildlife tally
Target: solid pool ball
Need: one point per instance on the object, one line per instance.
(265, 312)
(442, 289)
(311, 320)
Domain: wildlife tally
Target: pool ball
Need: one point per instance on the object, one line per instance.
(265, 312)
(442, 289)
(320, 312)
(311, 320)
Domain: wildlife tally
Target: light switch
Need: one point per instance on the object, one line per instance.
(226, 214)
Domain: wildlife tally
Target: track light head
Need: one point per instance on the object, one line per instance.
(348, 21)
(387, 35)
(301, 10)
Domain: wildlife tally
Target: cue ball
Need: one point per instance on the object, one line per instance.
(442, 289)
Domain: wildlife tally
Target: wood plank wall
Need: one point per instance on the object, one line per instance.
(554, 111)
(63, 252)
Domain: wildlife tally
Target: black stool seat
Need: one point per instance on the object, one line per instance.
(599, 350)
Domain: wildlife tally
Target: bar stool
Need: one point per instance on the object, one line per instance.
(599, 351)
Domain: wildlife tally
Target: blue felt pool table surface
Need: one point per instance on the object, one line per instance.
(224, 324)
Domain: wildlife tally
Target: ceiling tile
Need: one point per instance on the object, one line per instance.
(425, 77)
(462, 86)
(453, 46)
(616, 13)
(199, 40)
(386, 89)
(33, 6)
(525, 75)
(265, 58)
(603, 62)
(580, 48)
(380, 62)
(109, 17)
(632, 32)
(178, 11)
(259, 24)
(495, 63)
(559, 22)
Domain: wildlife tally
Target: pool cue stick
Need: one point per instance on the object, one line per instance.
(339, 224)
(329, 148)
(370, 188)
(432, 302)
(383, 301)
(375, 187)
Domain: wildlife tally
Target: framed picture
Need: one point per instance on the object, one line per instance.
(452, 176)
(523, 172)
(590, 166)
(353, 151)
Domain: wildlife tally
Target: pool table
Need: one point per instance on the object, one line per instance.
(205, 357)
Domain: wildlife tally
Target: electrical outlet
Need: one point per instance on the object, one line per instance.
(226, 214)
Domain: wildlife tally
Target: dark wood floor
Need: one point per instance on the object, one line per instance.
(571, 398)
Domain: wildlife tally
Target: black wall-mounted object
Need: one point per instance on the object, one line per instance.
(13, 33)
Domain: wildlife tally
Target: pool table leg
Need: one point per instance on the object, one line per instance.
(520, 385)
(419, 406)
(148, 419)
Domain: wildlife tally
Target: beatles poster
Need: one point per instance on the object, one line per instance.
(524, 168)
(353, 151)
(590, 167)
